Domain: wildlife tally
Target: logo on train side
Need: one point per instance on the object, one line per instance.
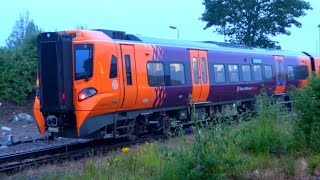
(246, 88)
(115, 84)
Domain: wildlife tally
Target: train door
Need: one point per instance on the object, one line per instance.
(129, 76)
(199, 74)
(280, 75)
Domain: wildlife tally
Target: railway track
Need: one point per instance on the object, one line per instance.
(12, 163)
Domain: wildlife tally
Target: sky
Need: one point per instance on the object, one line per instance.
(143, 17)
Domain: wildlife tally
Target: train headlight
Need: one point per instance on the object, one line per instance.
(86, 93)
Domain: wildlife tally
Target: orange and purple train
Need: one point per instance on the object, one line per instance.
(103, 83)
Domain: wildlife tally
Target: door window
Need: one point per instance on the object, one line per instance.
(195, 70)
(204, 70)
(279, 66)
(128, 69)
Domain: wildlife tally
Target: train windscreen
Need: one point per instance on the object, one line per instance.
(83, 65)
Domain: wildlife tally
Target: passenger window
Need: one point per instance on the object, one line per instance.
(301, 72)
(268, 73)
(155, 74)
(195, 70)
(204, 70)
(219, 73)
(128, 69)
(177, 74)
(113, 67)
(233, 73)
(290, 73)
(83, 63)
(257, 72)
(246, 73)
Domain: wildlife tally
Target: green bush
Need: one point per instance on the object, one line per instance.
(307, 107)
(266, 134)
(213, 155)
(18, 61)
(18, 69)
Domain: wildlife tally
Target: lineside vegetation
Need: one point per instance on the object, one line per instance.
(259, 147)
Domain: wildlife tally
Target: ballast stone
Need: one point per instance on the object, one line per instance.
(4, 128)
(22, 117)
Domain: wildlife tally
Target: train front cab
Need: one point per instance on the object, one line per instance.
(74, 82)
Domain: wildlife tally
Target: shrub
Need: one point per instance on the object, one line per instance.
(307, 106)
(266, 134)
(18, 71)
(18, 61)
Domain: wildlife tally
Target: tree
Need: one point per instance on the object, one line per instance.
(24, 29)
(18, 62)
(253, 22)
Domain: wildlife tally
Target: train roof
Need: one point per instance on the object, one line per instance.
(121, 36)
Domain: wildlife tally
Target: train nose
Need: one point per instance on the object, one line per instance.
(52, 121)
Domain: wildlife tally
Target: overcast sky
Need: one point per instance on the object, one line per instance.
(144, 17)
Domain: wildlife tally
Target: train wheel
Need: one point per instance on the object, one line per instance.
(132, 131)
(166, 126)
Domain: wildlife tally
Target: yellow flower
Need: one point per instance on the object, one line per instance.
(125, 149)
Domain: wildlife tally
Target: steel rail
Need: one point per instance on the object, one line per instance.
(16, 162)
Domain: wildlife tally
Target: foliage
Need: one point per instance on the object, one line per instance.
(252, 22)
(23, 30)
(18, 62)
(314, 164)
(307, 105)
(271, 135)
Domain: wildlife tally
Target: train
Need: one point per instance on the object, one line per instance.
(109, 84)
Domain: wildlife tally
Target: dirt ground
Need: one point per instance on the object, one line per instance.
(22, 129)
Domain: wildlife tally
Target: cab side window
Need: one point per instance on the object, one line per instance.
(113, 67)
